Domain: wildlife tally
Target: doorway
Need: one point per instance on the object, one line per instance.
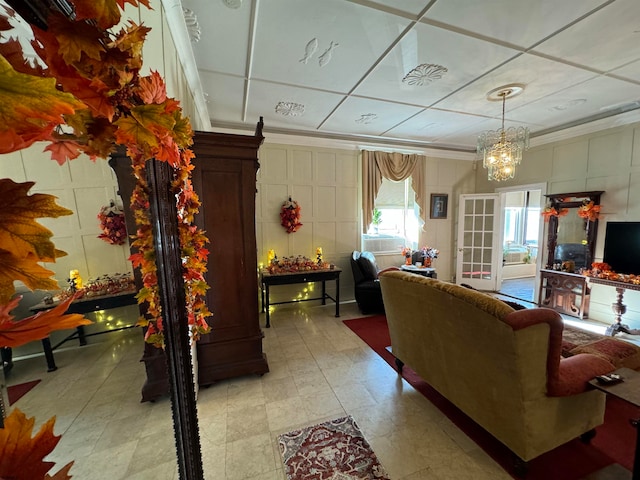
(522, 237)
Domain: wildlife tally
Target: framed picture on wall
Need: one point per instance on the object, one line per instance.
(439, 205)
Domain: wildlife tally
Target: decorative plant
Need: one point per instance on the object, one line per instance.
(589, 211)
(377, 217)
(92, 85)
(550, 211)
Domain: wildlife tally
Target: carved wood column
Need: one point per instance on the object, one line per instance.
(173, 300)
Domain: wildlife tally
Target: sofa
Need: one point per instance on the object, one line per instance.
(502, 367)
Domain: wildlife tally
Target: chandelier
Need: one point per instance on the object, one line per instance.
(501, 150)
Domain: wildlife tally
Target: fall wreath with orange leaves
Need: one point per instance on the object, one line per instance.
(290, 216)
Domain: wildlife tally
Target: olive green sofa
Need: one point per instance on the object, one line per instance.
(501, 367)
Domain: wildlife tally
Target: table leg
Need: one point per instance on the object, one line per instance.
(81, 336)
(324, 292)
(262, 294)
(48, 355)
(636, 460)
(337, 296)
(268, 325)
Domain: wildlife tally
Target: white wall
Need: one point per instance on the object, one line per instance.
(326, 184)
(608, 160)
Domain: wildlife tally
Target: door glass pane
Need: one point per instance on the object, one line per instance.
(479, 207)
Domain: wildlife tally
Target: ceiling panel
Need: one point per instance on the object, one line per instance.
(368, 117)
(540, 77)
(329, 44)
(427, 45)
(265, 97)
(518, 22)
(432, 124)
(605, 40)
(225, 95)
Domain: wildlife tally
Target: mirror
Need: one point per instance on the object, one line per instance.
(571, 238)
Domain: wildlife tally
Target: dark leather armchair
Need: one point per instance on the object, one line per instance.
(367, 286)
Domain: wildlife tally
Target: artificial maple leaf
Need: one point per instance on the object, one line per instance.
(154, 119)
(105, 12)
(21, 456)
(20, 234)
(14, 333)
(27, 101)
(63, 150)
(131, 131)
(135, 3)
(27, 270)
(131, 40)
(75, 38)
(152, 89)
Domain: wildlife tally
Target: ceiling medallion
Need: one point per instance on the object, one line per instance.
(193, 27)
(367, 118)
(501, 150)
(424, 74)
(289, 109)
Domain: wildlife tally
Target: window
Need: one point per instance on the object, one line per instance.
(396, 219)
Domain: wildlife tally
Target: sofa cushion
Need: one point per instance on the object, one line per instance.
(618, 352)
(367, 263)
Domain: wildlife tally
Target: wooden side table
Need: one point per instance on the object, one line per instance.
(629, 391)
(565, 292)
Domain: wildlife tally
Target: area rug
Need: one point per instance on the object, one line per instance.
(333, 450)
(614, 441)
(16, 392)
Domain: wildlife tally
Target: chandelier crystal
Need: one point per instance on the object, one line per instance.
(501, 150)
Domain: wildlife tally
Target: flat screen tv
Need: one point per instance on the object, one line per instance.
(622, 247)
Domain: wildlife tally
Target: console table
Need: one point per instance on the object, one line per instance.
(84, 305)
(288, 278)
(565, 292)
(618, 307)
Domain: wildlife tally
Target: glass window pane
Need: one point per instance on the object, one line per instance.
(479, 207)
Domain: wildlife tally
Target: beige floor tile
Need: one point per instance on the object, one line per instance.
(319, 370)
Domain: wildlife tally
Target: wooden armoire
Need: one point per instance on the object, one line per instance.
(224, 178)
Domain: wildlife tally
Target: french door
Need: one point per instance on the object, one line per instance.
(479, 256)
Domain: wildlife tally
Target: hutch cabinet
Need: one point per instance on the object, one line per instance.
(224, 178)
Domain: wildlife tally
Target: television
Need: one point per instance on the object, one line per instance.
(622, 247)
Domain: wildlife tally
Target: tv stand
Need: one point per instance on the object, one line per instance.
(618, 307)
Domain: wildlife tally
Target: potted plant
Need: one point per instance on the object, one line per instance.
(376, 220)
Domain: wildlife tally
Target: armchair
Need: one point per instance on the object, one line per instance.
(366, 284)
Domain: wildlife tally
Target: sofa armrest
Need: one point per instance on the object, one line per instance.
(575, 372)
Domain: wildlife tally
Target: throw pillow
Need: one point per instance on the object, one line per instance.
(368, 266)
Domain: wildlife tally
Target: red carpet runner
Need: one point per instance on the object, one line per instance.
(614, 442)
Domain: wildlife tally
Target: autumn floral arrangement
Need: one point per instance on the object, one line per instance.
(589, 211)
(550, 211)
(114, 230)
(603, 270)
(299, 263)
(290, 216)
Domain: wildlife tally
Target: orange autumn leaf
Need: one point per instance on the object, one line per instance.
(21, 455)
(27, 270)
(105, 12)
(152, 88)
(61, 151)
(75, 38)
(30, 106)
(14, 333)
(20, 234)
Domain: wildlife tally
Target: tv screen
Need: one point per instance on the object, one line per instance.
(622, 247)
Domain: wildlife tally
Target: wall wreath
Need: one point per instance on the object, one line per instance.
(290, 216)
(112, 224)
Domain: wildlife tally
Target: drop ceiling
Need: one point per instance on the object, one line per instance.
(414, 71)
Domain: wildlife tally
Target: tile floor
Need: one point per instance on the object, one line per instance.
(319, 370)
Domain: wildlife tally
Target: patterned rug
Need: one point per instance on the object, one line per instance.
(333, 450)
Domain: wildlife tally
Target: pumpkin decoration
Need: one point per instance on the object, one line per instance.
(290, 216)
